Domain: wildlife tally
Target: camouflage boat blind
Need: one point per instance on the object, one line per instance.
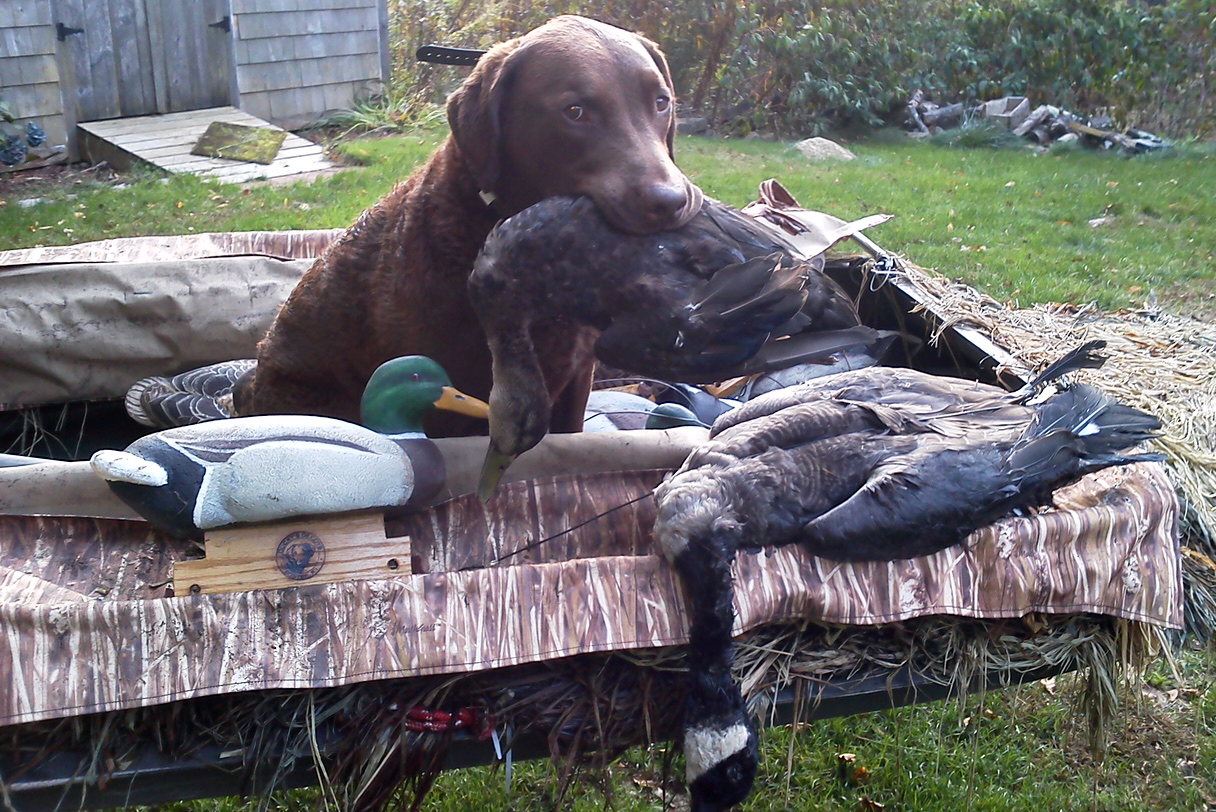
(87, 623)
(139, 306)
(278, 244)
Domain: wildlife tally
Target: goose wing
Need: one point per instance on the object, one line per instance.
(914, 503)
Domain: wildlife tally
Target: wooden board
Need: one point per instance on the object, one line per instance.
(239, 142)
(165, 141)
(298, 552)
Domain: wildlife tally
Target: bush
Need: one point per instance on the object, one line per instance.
(799, 67)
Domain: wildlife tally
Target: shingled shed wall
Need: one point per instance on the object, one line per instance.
(29, 74)
(297, 59)
(293, 59)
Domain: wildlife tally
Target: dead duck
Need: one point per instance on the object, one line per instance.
(255, 469)
(878, 464)
(699, 303)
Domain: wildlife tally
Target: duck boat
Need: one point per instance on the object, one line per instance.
(542, 622)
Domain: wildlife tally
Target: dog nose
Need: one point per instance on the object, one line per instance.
(663, 204)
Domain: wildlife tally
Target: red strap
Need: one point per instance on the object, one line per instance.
(474, 720)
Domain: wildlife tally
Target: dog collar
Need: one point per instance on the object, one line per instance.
(488, 198)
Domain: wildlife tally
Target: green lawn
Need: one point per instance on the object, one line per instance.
(1014, 223)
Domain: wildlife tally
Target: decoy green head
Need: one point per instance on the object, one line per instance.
(404, 390)
(670, 416)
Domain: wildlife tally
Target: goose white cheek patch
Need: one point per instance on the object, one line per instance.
(705, 747)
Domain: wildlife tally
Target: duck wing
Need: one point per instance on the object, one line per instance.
(806, 423)
(725, 224)
(724, 322)
(927, 396)
(913, 503)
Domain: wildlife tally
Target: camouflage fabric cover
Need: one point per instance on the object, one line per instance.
(88, 624)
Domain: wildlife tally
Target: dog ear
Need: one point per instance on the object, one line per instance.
(475, 113)
(661, 62)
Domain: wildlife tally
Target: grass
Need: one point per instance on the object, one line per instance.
(1016, 224)
(1018, 750)
(1011, 222)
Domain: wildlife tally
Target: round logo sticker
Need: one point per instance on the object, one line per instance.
(300, 555)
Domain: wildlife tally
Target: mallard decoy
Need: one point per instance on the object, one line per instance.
(700, 303)
(672, 415)
(255, 469)
(196, 396)
(878, 464)
(612, 410)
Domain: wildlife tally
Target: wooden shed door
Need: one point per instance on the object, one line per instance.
(135, 57)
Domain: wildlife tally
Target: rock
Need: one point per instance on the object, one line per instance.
(692, 125)
(824, 149)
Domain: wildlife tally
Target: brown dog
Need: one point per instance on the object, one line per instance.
(575, 107)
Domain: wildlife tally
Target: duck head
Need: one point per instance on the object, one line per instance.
(401, 392)
(519, 419)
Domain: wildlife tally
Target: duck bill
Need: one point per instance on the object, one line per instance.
(453, 400)
(495, 466)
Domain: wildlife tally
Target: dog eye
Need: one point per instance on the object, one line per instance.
(574, 112)
(662, 103)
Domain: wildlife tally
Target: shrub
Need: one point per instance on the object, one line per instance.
(798, 67)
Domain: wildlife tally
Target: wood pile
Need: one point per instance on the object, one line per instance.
(1043, 126)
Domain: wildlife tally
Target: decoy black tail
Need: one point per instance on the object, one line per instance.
(1078, 431)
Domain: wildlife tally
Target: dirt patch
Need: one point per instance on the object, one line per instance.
(1155, 728)
(27, 183)
(1196, 298)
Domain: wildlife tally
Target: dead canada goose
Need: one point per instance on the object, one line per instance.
(878, 464)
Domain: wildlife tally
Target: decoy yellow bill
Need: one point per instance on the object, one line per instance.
(453, 400)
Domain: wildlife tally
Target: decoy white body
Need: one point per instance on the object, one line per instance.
(264, 468)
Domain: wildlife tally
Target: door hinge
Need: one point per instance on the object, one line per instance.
(63, 32)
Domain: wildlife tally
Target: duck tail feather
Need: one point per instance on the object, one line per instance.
(1086, 356)
(145, 388)
(123, 466)
(1087, 412)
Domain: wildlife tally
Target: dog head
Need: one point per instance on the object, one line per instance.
(576, 107)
